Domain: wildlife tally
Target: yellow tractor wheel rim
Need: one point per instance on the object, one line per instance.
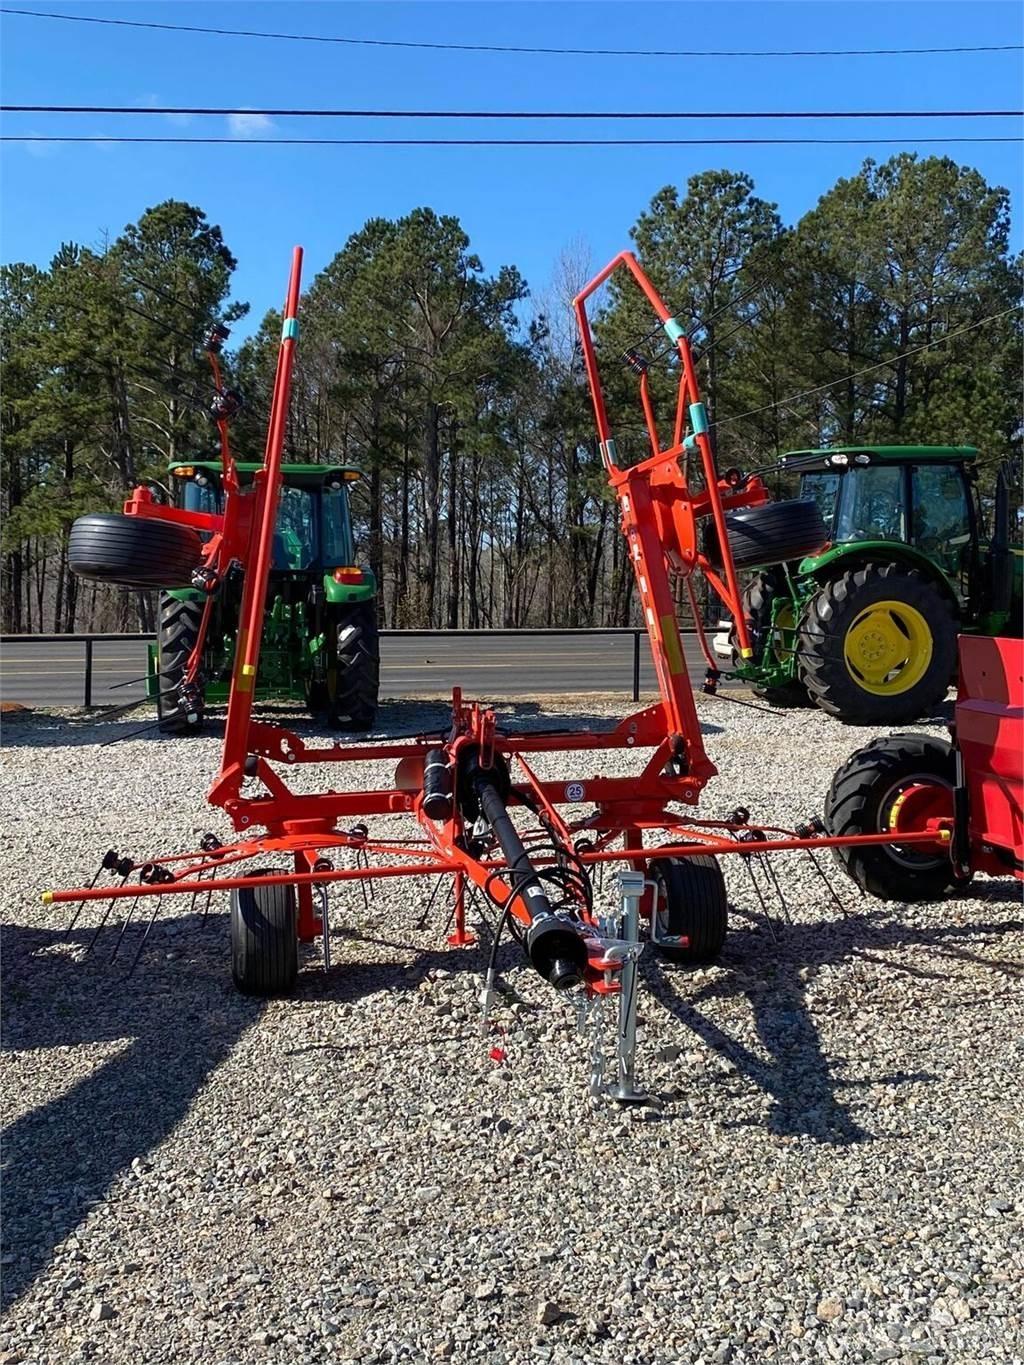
(888, 648)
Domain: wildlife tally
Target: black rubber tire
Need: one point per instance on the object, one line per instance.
(775, 533)
(357, 674)
(832, 611)
(858, 801)
(691, 900)
(318, 696)
(264, 947)
(136, 552)
(758, 596)
(177, 632)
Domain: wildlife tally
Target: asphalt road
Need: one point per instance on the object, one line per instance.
(499, 666)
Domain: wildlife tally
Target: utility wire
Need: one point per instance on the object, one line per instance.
(882, 365)
(519, 141)
(202, 111)
(496, 47)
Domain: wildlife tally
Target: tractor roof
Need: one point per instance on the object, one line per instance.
(820, 459)
(301, 474)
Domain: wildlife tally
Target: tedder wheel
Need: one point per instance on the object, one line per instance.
(758, 597)
(177, 632)
(900, 782)
(878, 646)
(264, 951)
(775, 533)
(357, 676)
(137, 552)
(690, 899)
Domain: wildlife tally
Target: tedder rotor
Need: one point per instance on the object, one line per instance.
(477, 810)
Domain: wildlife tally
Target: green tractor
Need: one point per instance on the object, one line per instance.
(320, 641)
(865, 627)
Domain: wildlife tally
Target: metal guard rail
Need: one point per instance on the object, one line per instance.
(638, 633)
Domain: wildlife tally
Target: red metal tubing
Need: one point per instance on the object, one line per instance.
(483, 868)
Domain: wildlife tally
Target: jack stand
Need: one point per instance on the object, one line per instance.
(624, 1091)
(460, 937)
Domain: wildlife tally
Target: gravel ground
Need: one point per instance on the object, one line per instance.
(833, 1171)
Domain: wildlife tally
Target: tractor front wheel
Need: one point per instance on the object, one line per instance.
(773, 646)
(878, 646)
(177, 632)
(689, 902)
(264, 946)
(897, 783)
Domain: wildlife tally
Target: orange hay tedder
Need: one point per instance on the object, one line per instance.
(479, 812)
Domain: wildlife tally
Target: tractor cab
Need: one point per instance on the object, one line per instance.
(918, 496)
(314, 526)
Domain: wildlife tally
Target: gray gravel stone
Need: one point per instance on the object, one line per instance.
(346, 1175)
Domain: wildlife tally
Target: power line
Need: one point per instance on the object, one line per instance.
(520, 141)
(575, 114)
(881, 365)
(500, 48)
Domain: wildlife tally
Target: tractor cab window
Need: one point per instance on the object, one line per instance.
(822, 486)
(199, 497)
(941, 521)
(295, 535)
(338, 548)
(871, 504)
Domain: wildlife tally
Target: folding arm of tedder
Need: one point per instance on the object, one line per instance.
(663, 512)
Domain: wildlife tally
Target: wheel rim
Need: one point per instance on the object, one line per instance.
(888, 648)
(908, 805)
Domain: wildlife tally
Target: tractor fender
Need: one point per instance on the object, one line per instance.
(856, 555)
(338, 594)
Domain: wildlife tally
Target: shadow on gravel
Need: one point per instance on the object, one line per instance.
(799, 1077)
(399, 720)
(175, 1023)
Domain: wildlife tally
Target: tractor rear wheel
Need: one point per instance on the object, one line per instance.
(689, 901)
(901, 781)
(136, 552)
(770, 650)
(354, 697)
(878, 646)
(264, 946)
(177, 632)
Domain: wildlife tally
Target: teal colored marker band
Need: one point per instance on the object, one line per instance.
(674, 328)
(698, 419)
(290, 330)
(689, 442)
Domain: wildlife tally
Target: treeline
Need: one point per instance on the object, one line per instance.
(888, 313)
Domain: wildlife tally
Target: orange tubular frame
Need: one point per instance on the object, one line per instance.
(608, 818)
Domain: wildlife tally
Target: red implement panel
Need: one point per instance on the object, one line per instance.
(990, 734)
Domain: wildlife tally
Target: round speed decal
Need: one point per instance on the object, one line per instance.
(575, 791)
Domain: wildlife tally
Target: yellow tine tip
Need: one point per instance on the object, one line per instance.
(47, 897)
(746, 653)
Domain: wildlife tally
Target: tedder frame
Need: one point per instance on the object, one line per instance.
(459, 788)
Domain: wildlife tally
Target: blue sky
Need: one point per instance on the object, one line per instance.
(520, 205)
